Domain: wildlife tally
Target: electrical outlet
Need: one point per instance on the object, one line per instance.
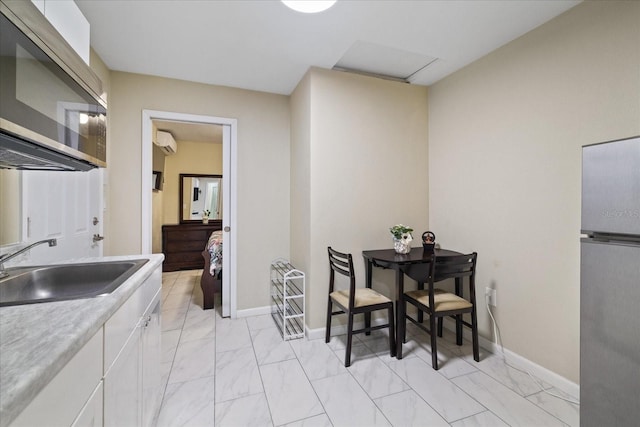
(490, 296)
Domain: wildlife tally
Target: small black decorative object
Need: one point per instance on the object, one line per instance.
(428, 241)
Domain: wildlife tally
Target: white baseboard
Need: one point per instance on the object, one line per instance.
(556, 380)
(546, 375)
(258, 311)
(550, 377)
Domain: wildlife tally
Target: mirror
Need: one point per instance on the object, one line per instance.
(199, 193)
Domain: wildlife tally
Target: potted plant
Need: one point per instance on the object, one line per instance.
(205, 216)
(401, 238)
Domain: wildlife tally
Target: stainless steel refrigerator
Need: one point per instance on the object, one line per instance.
(610, 284)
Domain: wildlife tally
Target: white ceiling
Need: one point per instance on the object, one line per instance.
(193, 132)
(262, 45)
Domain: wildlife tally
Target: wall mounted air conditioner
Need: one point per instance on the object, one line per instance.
(165, 141)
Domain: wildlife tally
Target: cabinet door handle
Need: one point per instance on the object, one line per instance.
(147, 321)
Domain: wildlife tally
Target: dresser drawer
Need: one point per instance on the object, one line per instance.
(186, 235)
(186, 246)
(185, 257)
(182, 244)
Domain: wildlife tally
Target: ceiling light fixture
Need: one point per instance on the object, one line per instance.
(309, 6)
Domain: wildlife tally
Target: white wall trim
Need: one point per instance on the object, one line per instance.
(544, 374)
(514, 359)
(258, 311)
(230, 163)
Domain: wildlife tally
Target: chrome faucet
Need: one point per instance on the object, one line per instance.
(6, 257)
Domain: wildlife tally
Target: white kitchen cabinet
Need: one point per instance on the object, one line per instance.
(60, 401)
(72, 25)
(132, 384)
(114, 379)
(151, 360)
(122, 386)
(92, 413)
(132, 378)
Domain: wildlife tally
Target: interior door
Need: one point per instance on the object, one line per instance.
(66, 206)
(226, 223)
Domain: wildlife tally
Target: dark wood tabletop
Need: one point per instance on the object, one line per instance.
(416, 256)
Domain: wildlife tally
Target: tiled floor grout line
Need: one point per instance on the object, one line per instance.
(312, 388)
(215, 354)
(215, 360)
(448, 379)
(163, 298)
(255, 356)
(365, 391)
(471, 397)
(179, 339)
(516, 385)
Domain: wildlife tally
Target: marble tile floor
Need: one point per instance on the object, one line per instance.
(224, 372)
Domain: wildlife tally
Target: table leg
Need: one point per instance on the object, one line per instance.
(367, 316)
(367, 322)
(420, 312)
(400, 321)
(459, 316)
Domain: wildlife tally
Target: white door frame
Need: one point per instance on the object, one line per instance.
(229, 211)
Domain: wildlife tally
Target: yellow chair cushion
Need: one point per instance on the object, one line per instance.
(364, 297)
(443, 300)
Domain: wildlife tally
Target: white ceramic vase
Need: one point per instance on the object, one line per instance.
(401, 247)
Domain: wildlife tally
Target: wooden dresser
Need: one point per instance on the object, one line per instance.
(182, 244)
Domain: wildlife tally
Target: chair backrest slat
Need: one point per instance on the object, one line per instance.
(339, 265)
(343, 264)
(455, 267)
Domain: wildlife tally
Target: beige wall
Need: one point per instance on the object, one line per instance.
(300, 176)
(505, 137)
(262, 174)
(157, 220)
(10, 201)
(158, 158)
(365, 143)
(157, 200)
(192, 157)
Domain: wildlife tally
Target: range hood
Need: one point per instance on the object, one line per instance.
(16, 153)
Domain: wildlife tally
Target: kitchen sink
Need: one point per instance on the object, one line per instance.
(29, 285)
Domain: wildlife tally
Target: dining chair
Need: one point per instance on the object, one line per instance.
(354, 301)
(438, 303)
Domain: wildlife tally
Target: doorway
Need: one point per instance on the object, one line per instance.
(229, 211)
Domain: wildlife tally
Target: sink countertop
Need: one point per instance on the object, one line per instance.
(38, 340)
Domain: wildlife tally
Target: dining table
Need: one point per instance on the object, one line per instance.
(414, 264)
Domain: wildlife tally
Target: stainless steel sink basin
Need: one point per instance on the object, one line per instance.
(28, 285)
